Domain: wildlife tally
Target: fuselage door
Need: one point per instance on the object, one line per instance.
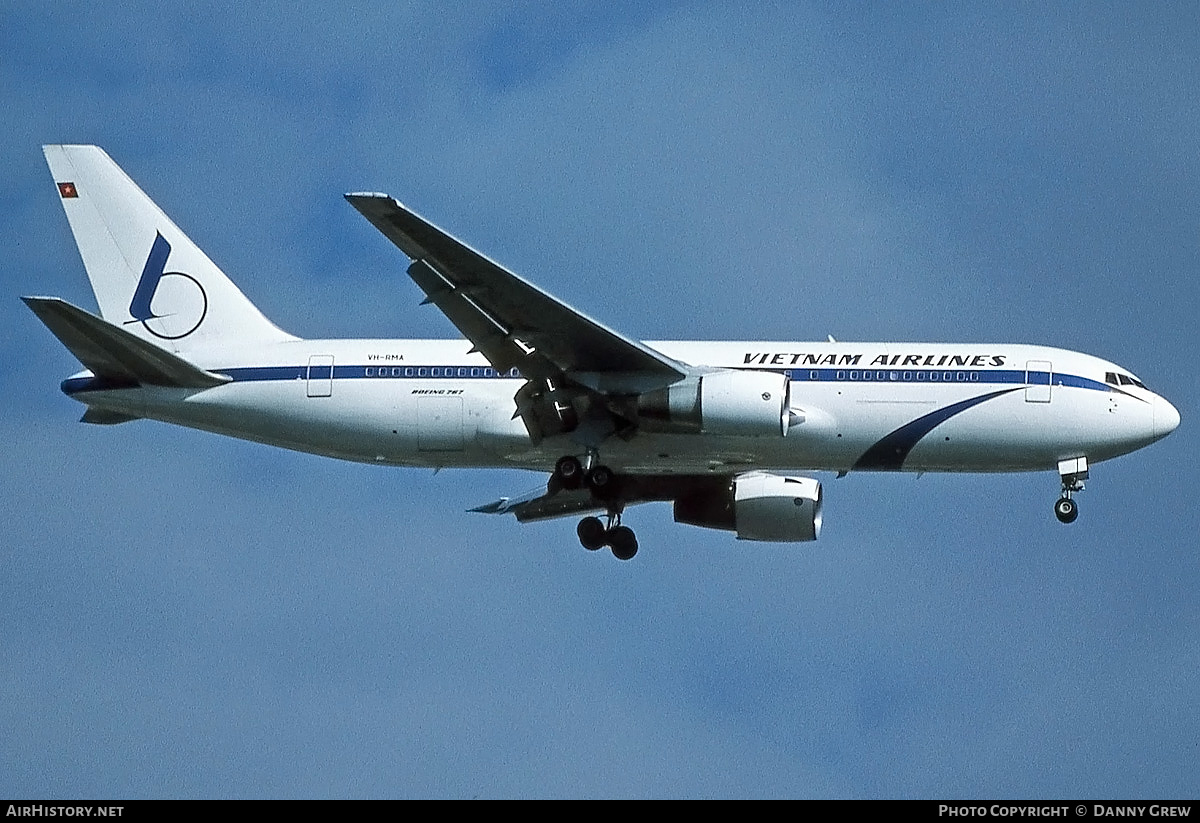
(320, 375)
(1039, 375)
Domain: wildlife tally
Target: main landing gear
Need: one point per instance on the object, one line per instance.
(593, 534)
(1073, 472)
(570, 473)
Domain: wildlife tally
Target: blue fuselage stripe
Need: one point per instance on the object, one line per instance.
(1003, 376)
(1018, 377)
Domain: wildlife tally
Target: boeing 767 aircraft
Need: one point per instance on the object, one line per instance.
(718, 429)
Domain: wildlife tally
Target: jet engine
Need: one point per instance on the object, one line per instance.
(758, 506)
(730, 402)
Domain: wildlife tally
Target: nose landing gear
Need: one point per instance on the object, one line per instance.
(1073, 472)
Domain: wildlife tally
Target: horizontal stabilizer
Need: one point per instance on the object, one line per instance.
(113, 353)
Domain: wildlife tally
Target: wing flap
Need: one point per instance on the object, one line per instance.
(488, 335)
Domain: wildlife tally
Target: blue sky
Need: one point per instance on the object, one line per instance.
(185, 615)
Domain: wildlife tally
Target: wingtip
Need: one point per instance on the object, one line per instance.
(34, 301)
(496, 507)
(367, 195)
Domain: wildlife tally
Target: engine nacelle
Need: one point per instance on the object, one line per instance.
(758, 506)
(731, 402)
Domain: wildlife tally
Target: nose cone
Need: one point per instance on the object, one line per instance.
(1166, 417)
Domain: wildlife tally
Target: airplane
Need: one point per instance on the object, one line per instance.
(724, 431)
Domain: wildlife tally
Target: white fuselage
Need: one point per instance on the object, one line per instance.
(863, 406)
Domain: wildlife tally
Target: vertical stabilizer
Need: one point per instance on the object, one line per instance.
(148, 277)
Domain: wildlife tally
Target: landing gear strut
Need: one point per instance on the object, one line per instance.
(1073, 472)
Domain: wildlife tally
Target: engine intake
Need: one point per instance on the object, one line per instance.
(731, 402)
(758, 506)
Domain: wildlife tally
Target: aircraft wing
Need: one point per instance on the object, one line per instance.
(541, 504)
(511, 321)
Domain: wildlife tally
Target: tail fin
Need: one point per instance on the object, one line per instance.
(148, 277)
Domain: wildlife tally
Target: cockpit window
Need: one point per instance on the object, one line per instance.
(1115, 379)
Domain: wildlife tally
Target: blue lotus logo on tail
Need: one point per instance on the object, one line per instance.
(180, 298)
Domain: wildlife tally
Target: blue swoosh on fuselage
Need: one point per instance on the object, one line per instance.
(890, 452)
